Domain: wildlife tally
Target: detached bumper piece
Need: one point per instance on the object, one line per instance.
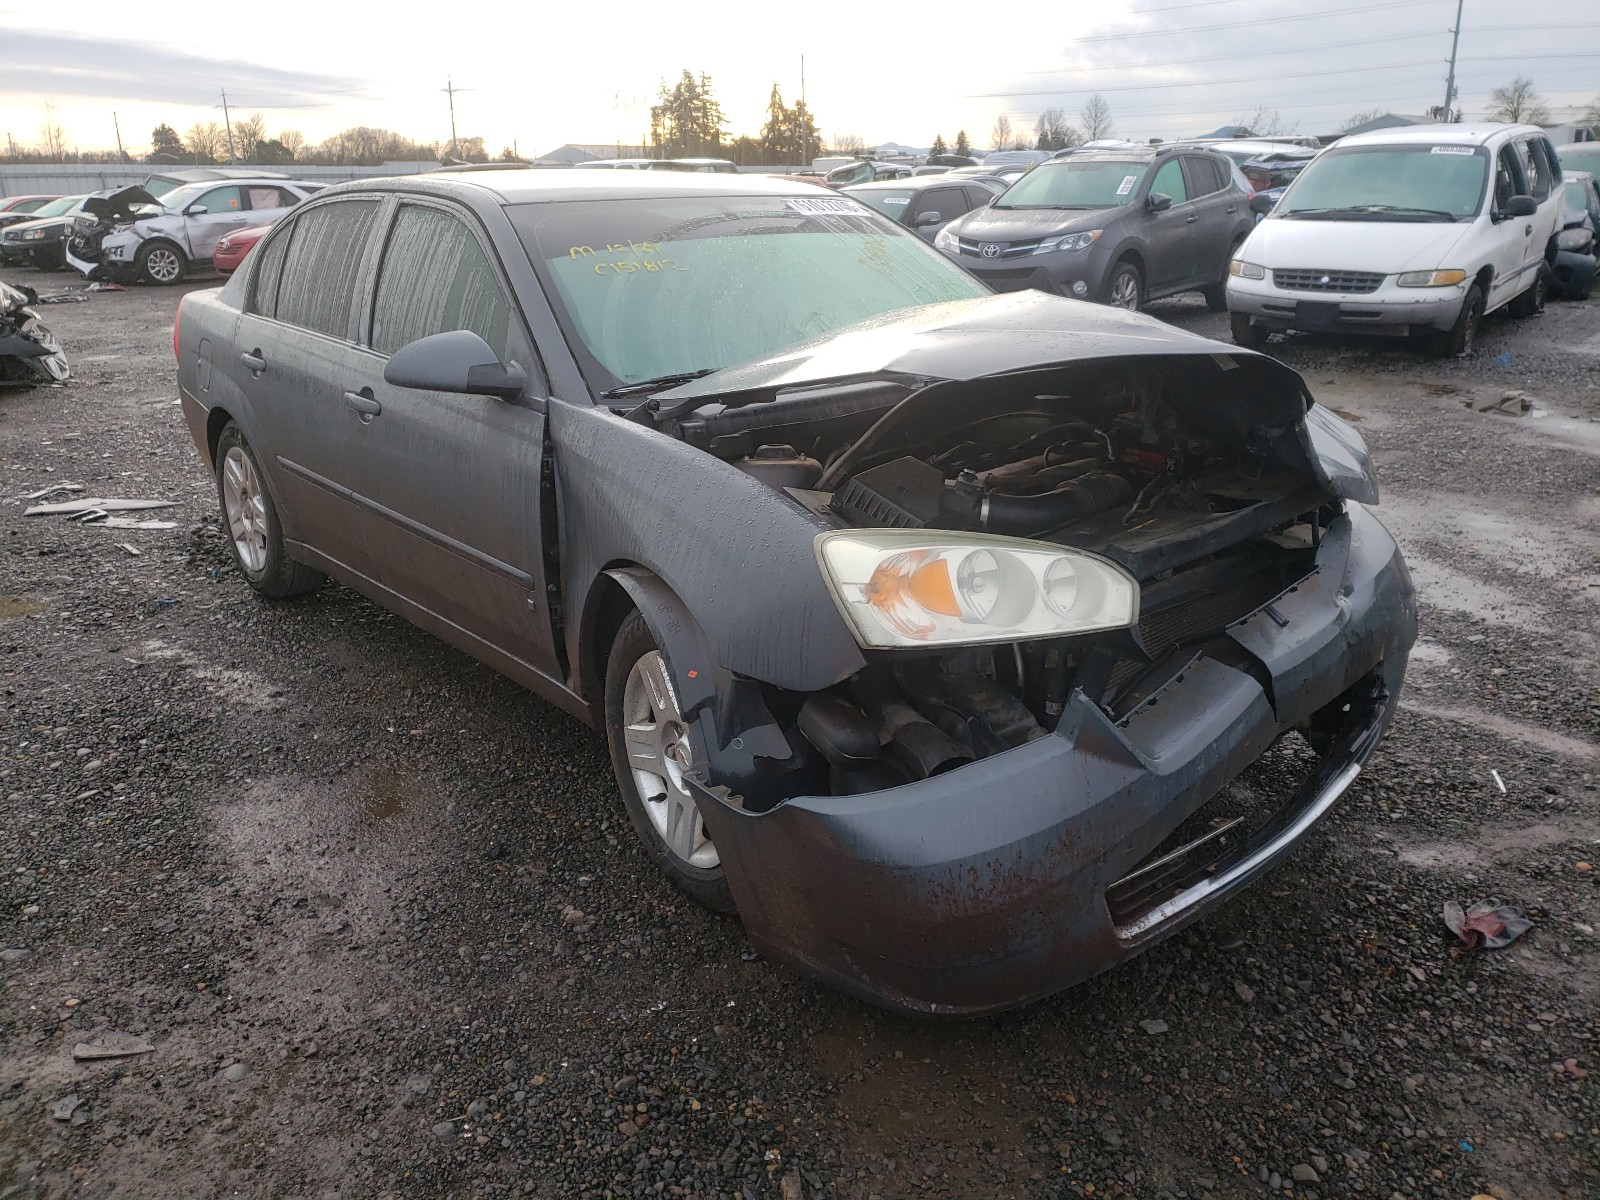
(1017, 875)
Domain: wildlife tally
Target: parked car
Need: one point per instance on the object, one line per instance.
(1580, 156)
(159, 183)
(942, 723)
(704, 166)
(230, 251)
(923, 207)
(1267, 177)
(29, 353)
(1578, 243)
(1000, 160)
(918, 172)
(1118, 226)
(1417, 231)
(130, 235)
(1242, 150)
(610, 164)
(21, 208)
(865, 171)
(38, 242)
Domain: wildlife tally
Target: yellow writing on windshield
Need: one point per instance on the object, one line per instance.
(628, 267)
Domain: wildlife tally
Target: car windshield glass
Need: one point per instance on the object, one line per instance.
(1581, 157)
(1576, 195)
(159, 187)
(649, 288)
(1075, 183)
(1390, 183)
(890, 203)
(58, 207)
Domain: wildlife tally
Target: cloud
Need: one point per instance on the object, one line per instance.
(44, 63)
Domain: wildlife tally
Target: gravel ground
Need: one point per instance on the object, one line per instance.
(386, 930)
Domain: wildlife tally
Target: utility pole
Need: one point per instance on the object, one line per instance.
(121, 156)
(1450, 82)
(227, 122)
(449, 89)
(805, 134)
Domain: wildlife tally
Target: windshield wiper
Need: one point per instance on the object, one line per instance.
(1361, 210)
(655, 385)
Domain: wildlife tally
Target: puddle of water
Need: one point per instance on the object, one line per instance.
(385, 792)
(21, 606)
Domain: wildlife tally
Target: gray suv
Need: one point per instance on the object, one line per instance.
(1119, 226)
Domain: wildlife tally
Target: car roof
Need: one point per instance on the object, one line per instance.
(1477, 134)
(910, 183)
(530, 186)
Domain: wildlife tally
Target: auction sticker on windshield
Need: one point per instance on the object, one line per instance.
(1454, 150)
(1126, 185)
(823, 206)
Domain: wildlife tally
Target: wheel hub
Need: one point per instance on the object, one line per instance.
(660, 753)
(244, 505)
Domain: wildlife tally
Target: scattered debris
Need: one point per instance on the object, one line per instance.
(67, 508)
(63, 1108)
(69, 296)
(103, 285)
(1486, 923)
(1514, 396)
(1153, 1025)
(59, 489)
(101, 521)
(790, 1187)
(111, 1044)
(129, 547)
(1244, 991)
(29, 353)
(1498, 782)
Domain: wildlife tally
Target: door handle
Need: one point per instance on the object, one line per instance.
(253, 360)
(1230, 208)
(363, 403)
(1190, 219)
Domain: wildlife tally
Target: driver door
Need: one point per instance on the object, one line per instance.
(1172, 256)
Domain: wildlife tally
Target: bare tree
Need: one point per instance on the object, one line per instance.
(52, 137)
(205, 140)
(1265, 123)
(293, 141)
(1361, 118)
(849, 144)
(1096, 119)
(248, 134)
(1518, 104)
(1001, 135)
(1052, 131)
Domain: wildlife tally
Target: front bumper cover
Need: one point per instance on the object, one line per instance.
(986, 888)
(1390, 310)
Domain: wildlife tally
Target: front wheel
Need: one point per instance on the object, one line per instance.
(1125, 287)
(1251, 337)
(652, 748)
(1460, 338)
(161, 263)
(254, 534)
(1531, 302)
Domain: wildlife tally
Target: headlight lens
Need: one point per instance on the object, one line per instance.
(1431, 278)
(1246, 270)
(32, 235)
(1572, 239)
(947, 241)
(905, 587)
(1069, 241)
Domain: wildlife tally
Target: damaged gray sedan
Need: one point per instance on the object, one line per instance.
(932, 631)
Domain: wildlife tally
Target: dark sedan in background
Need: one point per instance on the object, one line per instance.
(40, 241)
(926, 204)
(21, 208)
(949, 721)
(1119, 226)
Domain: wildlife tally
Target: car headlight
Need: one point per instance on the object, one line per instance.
(1431, 278)
(1573, 239)
(1246, 270)
(33, 235)
(1069, 241)
(947, 241)
(924, 587)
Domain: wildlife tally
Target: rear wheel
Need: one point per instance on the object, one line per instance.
(161, 263)
(254, 534)
(1461, 337)
(652, 748)
(1251, 337)
(1531, 302)
(1125, 287)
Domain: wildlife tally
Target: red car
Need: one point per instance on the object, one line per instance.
(14, 209)
(231, 250)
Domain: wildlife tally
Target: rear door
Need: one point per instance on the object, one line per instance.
(224, 210)
(296, 343)
(1170, 233)
(1216, 205)
(449, 484)
(945, 201)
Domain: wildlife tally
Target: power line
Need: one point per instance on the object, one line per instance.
(1194, 83)
(1312, 16)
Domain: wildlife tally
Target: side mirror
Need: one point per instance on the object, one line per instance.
(927, 218)
(1159, 201)
(195, 210)
(457, 361)
(1521, 206)
(1576, 223)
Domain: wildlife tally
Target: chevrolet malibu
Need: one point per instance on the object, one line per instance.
(931, 630)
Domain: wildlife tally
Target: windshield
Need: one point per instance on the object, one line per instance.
(60, 207)
(648, 288)
(1581, 156)
(1577, 196)
(179, 198)
(851, 173)
(1075, 183)
(890, 203)
(1416, 182)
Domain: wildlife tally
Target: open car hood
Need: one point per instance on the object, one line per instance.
(122, 205)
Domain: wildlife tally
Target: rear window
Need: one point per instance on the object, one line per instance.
(890, 203)
(1076, 183)
(319, 272)
(1418, 182)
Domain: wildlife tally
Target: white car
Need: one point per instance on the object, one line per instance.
(132, 235)
(1417, 231)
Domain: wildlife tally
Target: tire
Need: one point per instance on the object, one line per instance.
(1461, 337)
(161, 263)
(650, 745)
(255, 536)
(1216, 294)
(1245, 334)
(1124, 287)
(1531, 302)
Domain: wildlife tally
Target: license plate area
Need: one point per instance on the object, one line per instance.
(1317, 312)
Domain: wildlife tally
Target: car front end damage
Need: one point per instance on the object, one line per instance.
(103, 239)
(999, 797)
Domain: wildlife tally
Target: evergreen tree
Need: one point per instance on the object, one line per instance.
(687, 122)
(938, 145)
(165, 144)
(963, 145)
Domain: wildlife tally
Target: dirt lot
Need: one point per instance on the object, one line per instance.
(320, 862)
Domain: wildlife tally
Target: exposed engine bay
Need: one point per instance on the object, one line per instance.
(29, 353)
(1207, 502)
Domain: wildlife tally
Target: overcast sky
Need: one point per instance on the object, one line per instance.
(541, 75)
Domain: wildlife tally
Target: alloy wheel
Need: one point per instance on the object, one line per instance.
(245, 506)
(659, 752)
(163, 265)
(1125, 291)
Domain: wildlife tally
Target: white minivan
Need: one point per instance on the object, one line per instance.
(1417, 231)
